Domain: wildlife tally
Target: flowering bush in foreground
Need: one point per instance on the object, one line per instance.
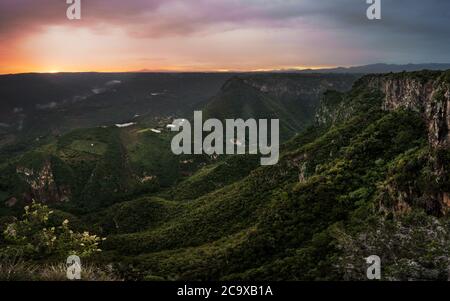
(34, 238)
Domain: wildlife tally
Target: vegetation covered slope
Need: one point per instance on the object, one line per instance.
(367, 179)
(363, 184)
(292, 98)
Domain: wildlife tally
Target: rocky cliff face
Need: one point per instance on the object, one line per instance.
(429, 94)
(425, 92)
(42, 185)
(305, 86)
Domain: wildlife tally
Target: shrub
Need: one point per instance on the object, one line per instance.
(35, 238)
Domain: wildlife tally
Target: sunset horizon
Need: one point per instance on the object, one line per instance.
(216, 36)
(173, 70)
(220, 70)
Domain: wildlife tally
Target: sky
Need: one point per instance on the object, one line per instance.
(219, 35)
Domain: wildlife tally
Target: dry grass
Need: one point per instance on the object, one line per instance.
(11, 270)
(22, 271)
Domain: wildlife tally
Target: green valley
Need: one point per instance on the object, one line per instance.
(362, 171)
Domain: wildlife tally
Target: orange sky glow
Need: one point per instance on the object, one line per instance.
(73, 49)
(213, 35)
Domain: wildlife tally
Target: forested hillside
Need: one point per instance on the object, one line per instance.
(369, 176)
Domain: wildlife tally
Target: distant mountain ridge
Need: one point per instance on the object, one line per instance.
(362, 69)
(377, 68)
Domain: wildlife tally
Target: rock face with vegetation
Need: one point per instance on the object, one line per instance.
(428, 94)
(370, 177)
(425, 92)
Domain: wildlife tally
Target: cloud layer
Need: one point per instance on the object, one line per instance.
(219, 34)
